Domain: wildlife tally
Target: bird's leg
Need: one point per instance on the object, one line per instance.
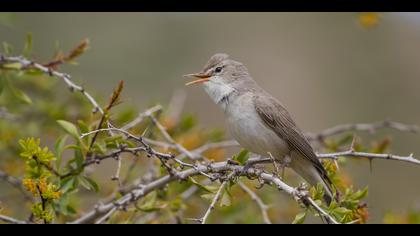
(284, 163)
(279, 165)
(276, 164)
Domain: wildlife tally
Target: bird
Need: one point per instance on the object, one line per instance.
(258, 121)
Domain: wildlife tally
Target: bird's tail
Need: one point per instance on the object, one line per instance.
(314, 176)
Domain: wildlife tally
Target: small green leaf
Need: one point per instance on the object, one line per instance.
(69, 128)
(360, 194)
(242, 157)
(208, 196)
(59, 148)
(88, 183)
(21, 96)
(28, 46)
(13, 66)
(150, 203)
(300, 218)
(79, 159)
(69, 184)
(202, 187)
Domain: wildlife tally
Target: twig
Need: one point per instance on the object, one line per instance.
(106, 216)
(168, 137)
(141, 116)
(351, 153)
(116, 177)
(11, 220)
(321, 211)
(369, 127)
(263, 207)
(219, 167)
(26, 64)
(214, 201)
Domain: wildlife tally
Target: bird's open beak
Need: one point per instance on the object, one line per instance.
(202, 77)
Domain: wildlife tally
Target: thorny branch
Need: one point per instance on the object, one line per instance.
(11, 220)
(214, 201)
(219, 167)
(213, 171)
(27, 64)
(369, 127)
(370, 156)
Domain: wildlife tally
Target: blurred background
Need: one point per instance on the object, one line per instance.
(326, 68)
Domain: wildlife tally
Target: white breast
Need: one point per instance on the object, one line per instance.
(217, 90)
(249, 130)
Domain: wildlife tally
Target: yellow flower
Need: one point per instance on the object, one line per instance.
(30, 185)
(369, 19)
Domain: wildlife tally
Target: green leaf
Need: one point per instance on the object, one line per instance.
(208, 189)
(28, 45)
(20, 95)
(59, 148)
(300, 218)
(360, 194)
(88, 183)
(69, 128)
(150, 203)
(84, 128)
(69, 184)
(242, 157)
(78, 158)
(208, 196)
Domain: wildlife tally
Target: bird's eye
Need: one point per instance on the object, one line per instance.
(218, 69)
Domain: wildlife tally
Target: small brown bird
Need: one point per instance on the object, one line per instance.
(258, 121)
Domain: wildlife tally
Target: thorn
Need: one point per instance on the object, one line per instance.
(336, 164)
(370, 165)
(115, 178)
(353, 143)
(50, 72)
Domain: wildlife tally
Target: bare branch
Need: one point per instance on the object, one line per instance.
(219, 167)
(11, 220)
(141, 116)
(369, 127)
(106, 216)
(168, 137)
(258, 201)
(351, 153)
(26, 64)
(213, 202)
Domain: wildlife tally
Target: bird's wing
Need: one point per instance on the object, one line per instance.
(276, 117)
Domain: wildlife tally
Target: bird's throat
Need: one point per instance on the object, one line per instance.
(219, 92)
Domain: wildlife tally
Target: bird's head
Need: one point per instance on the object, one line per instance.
(219, 69)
